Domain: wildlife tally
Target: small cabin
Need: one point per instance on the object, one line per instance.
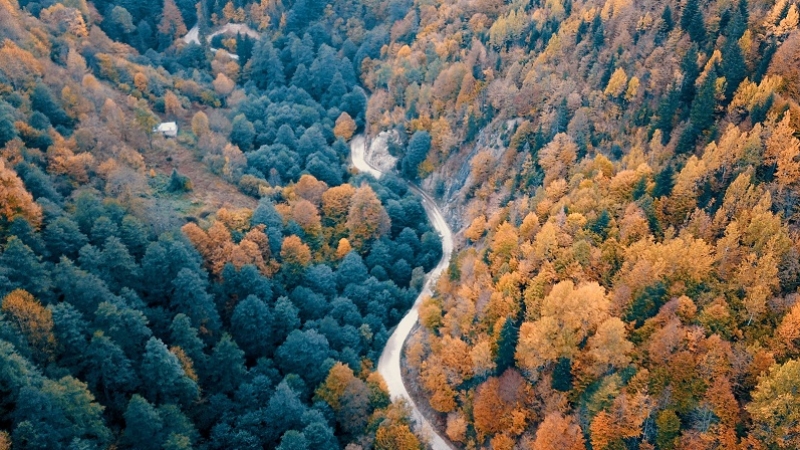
(168, 129)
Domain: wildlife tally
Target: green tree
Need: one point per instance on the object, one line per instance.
(183, 335)
(57, 414)
(42, 100)
(109, 371)
(266, 67)
(284, 412)
(226, 366)
(293, 440)
(251, 325)
(125, 325)
(190, 297)
(103, 229)
(24, 270)
(734, 67)
(506, 345)
(64, 237)
(117, 267)
(242, 133)
(690, 74)
(417, 151)
(692, 21)
(71, 332)
(305, 353)
(166, 380)
(562, 375)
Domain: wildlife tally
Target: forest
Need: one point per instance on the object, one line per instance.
(231, 287)
(623, 178)
(628, 267)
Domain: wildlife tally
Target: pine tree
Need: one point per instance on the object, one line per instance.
(109, 371)
(666, 114)
(664, 182)
(703, 107)
(183, 335)
(226, 366)
(24, 269)
(690, 74)
(418, 147)
(666, 26)
(143, 425)
(506, 346)
(734, 67)
(166, 381)
(692, 21)
(562, 375)
(266, 67)
(191, 298)
(251, 325)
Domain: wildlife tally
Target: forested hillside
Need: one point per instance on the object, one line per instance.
(228, 288)
(627, 174)
(629, 266)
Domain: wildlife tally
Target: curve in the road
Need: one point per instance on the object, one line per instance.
(389, 362)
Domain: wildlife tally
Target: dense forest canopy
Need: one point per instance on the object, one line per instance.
(231, 287)
(626, 174)
(629, 266)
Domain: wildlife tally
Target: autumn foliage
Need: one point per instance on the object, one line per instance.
(15, 199)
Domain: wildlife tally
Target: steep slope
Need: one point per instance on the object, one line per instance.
(627, 271)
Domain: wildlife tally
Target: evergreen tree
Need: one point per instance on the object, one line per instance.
(692, 21)
(117, 266)
(301, 78)
(164, 379)
(506, 346)
(284, 412)
(666, 26)
(702, 113)
(103, 229)
(125, 325)
(190, 297)
(417, 151)
(83, 290)
(133, 234)
(562, 375)
(42, 100)
(304, 353)
(143, 425)
(335, 91)
(266, 68)
(242, 133)
(598, 32)
(293, 440)
(351, 270)
(183, 335)
(286, 320)
(64, 237)
(226, 366)
(24, 270)
(251, 325)
(56, 414)
(22, 229)
(109, 371)
(690, 74)
(733, 67)
(177, 427)
(71, 333)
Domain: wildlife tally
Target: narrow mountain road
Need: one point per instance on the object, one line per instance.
(389, 362)
(193, 36)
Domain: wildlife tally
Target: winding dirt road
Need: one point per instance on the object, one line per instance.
(389, 362)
